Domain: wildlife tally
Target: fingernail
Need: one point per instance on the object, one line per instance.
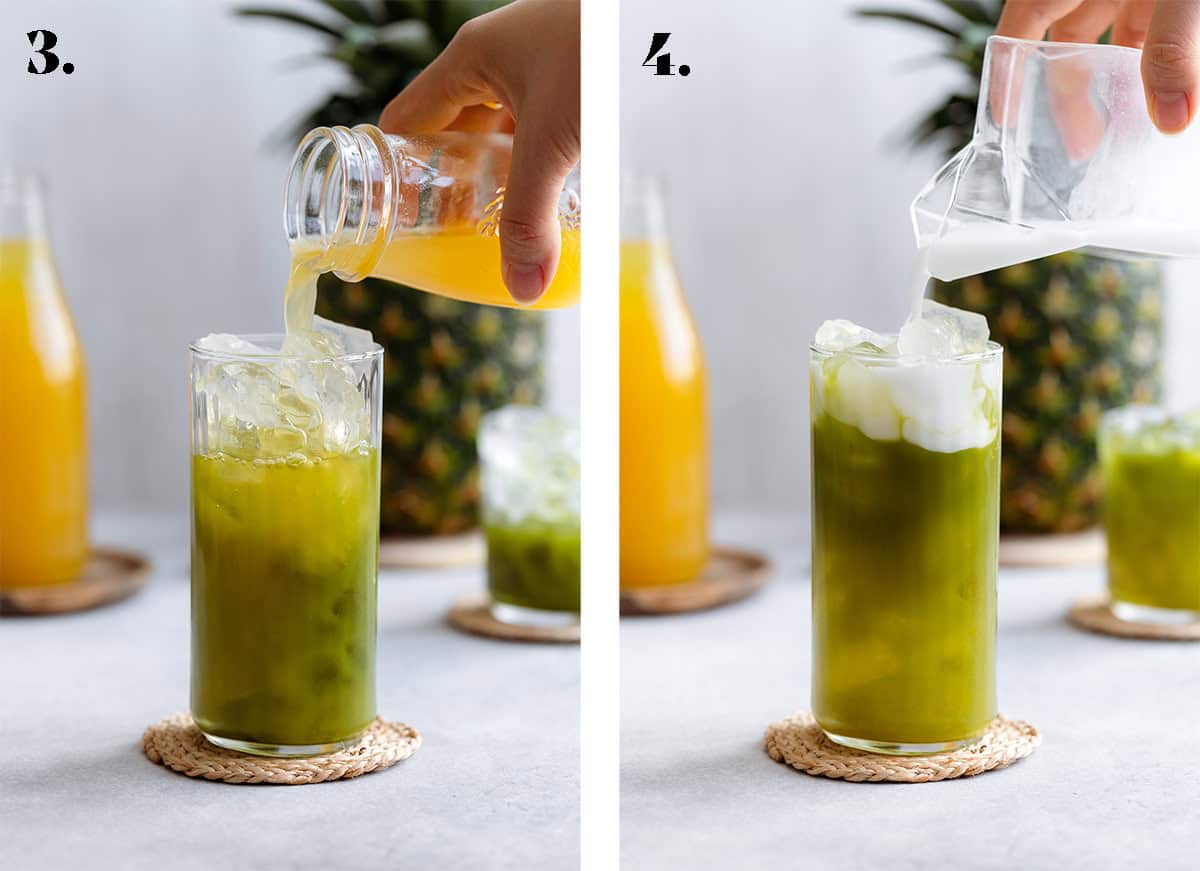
(1171, 112)
(525, 282)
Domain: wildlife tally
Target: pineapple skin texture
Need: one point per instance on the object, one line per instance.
(1081, 334)
(446, 364)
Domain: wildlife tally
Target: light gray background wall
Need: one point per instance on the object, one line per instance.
(165, 203)
(788, 195)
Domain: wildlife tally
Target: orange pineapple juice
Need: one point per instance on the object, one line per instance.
(43, 451)
(458, 262)
(664, 446)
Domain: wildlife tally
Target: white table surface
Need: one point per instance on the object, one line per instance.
(495, 784)
(1115, 784)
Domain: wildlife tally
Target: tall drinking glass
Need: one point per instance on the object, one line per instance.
(285, 543)
(906, 476)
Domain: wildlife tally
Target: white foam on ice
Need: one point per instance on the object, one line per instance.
(926, 387)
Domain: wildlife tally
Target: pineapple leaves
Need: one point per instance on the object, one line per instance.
(975, 11)
(399, 10)
(353, 10)
(381, 44)
(909, 18)
(289, 16)
(951, 122)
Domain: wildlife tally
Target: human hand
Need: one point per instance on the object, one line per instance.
(1167, 31)
(525, 57)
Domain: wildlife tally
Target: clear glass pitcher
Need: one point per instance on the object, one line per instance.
(1064, 156)
(43, 424)
(423, 211)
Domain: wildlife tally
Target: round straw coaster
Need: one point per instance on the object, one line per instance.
(176, 743)
(110, 575)
(730, 575)
(473, 615)
(799, 742)
(1095, 614)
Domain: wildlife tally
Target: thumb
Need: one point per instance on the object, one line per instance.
(544, 150)
(1171, 64)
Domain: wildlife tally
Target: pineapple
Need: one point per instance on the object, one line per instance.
(1081, 334)
(446, 363)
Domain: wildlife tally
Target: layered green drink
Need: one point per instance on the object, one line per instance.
(906, 475)
(285, 533)
(1151, 464)
(529, 462)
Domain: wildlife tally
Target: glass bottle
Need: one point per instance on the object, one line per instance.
(422, 211)
(664, 470)
(43, 433)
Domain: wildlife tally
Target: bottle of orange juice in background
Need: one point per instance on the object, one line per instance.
(43, 449)
(664, 438)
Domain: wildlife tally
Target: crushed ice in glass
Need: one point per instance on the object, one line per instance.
(529, 466)
(293, 402)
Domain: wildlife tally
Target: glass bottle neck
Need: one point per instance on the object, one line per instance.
(338, 205)
(643, 212)
(22, 213)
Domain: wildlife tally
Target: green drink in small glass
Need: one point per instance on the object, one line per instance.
(1151, 464)
(285, 534)
(529, 467)
(906, 476)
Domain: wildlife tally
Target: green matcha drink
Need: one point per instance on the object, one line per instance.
(1151, 464)
(285, 534)
(529, 462)
(906, 475)
(534, 565)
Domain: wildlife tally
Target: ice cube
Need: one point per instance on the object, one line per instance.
(227, 343)
(353, 340)
(842, 335)
(943, 331)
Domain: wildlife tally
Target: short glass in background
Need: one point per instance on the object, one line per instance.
(285, 540)
(1151, 464)
(529, 467)
(906, 477)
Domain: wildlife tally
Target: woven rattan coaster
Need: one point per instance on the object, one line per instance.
(473, 614)
(176, 743)
(730, 575)
(799, 742)
(109, 576)
(1095, 614)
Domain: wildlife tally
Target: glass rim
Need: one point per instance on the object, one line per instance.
(1148, 413)
(994, 350)
(1075, 47)
(376, 352)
